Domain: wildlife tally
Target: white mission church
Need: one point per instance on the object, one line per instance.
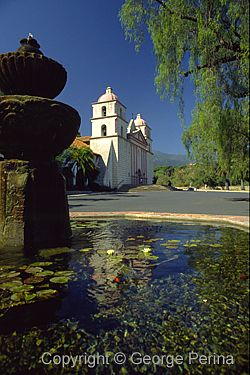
(123, 150)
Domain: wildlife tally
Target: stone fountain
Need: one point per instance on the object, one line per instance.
(34, 128)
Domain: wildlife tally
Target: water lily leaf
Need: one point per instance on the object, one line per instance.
(43, 286)
(17, 297)
(47, 253)
(153, 257)
(34, 280)
(215, 245)
(11, 284)
(40, 264)
(64, 273)
(87, 249)
(174, 241)
(22, 288)
(9, 275)
(34, 270)
(47, 293)
(4, 268)
(29, 296)
(23, 267)
(45, 273)
(60, 280)
(130, 239)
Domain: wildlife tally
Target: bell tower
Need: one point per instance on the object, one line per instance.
(109, 137)
(145, 129)
(108, 118)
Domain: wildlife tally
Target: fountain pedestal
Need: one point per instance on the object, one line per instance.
(33, 130)
(33, 206)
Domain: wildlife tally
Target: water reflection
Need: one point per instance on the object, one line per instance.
(131, 286)
(112, 261)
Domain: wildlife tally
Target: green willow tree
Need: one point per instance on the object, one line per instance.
(207, 41)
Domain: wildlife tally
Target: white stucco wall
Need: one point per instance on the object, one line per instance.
(120, 158)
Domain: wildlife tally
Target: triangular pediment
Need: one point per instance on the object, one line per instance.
(138, 136)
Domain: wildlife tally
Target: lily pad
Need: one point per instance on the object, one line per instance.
(59, 280)
(47, 253)
(29, 296)
(34, 280)
(64, 273)
(23, 267)
(40, 264)
(17, 297)
(4, 268)
(11, 284)
(45, 273)
(34, 270)
(86, 250)
(47, 293)
(9, 275)
(22, 288)
(43, 286)
(25, 297)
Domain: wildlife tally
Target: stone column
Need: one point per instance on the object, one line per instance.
(33, 205)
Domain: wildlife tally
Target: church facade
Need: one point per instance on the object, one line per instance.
(124, 148)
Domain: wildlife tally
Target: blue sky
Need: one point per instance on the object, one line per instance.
(86, 37)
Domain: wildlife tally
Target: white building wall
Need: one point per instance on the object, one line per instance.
(107, 147)
(121, 159)
(124, 162)
(150, 169)
(98, 123)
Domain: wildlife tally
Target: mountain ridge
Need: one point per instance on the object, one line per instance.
(163, 159)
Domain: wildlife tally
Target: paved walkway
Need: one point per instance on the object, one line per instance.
(225, 207)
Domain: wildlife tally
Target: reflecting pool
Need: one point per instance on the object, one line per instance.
(169, 297)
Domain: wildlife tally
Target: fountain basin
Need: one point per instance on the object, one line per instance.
(35, 128)
(26, 73)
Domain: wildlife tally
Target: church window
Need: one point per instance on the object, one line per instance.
(104, 111)
(120, 112)
(121, 131)
(104, 130)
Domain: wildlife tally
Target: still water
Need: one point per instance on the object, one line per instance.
(128, 286)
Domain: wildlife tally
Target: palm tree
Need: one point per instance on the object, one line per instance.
(82, 160)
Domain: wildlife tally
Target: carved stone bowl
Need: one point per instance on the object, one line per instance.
(34, 128)
(25, 73)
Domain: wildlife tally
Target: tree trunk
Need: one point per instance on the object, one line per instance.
(243, 184)
(227, 184)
